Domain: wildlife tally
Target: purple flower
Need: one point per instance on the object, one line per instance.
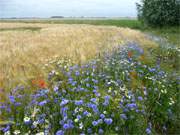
(12, 99)
(64, 102)
(100, 131)
(94, 123)
(123, 116)
(108, 121)
(85, 113)
(102, 116)
(131, 106)
(77, 73)
(60, 132)
(42, 103)
(93, 100)
(94, 107)
(106, 102)
(89, 130)
(66, 126)
(107, 97)
(78, 102)
(56, 89)
(7, 128)
(100, 121)
(79, 117)
(70, 123)
(140, 98)
(148, 131)
(87, 85)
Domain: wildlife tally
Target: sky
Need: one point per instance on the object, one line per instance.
(75, 8)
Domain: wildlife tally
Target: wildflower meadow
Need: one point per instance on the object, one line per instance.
(121, 91)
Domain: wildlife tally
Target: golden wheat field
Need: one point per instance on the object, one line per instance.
(26, 48)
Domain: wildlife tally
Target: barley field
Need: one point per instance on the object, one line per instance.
(25, 49)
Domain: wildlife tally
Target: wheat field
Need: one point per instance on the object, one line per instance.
(26, 48)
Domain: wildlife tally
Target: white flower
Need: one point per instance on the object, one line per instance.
(35, 123)
(16, 132)
(7, 133)
(76, 120)
(76, 110)
(105, 112)
(164, 91)
(81, 109)
(40, 133)
(89, 115)
(81, 125)
(171, 101)
(26, 119)
(115, 92)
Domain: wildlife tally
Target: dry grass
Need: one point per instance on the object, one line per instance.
(24, 51)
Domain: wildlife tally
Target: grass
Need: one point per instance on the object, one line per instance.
(172, 34)
(108, 22)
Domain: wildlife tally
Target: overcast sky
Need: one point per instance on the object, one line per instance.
(47, 8)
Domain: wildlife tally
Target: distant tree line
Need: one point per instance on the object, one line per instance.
(159, 12)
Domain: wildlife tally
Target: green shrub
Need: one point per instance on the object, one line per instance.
(159, 12)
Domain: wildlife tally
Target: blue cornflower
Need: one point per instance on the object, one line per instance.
(87, 85)
(64, 111)
(131, 106)
(42, 103)
(60, 132)
(102, 116)
(79, 117)
(100, 131)
(70, 123)
(66, 126)
(18, 104)
(70, 80)
(64, 102)
(12, 99)
(93, 100)
(97, 94)
(74, 83)
(61, 122)
(77, 73)
(148, 131)
(123, 116)
(78, 102)
(107, 97)
(89, 130)
(95, 81)
(106, 102)
(7, 128)
(85, 113)
(56, 89)
(94, 123)
(94, 91)
(152, 69)
(140, 98)
(108, 121)
(100, 121)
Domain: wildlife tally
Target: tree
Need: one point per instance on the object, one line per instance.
(159, 12)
